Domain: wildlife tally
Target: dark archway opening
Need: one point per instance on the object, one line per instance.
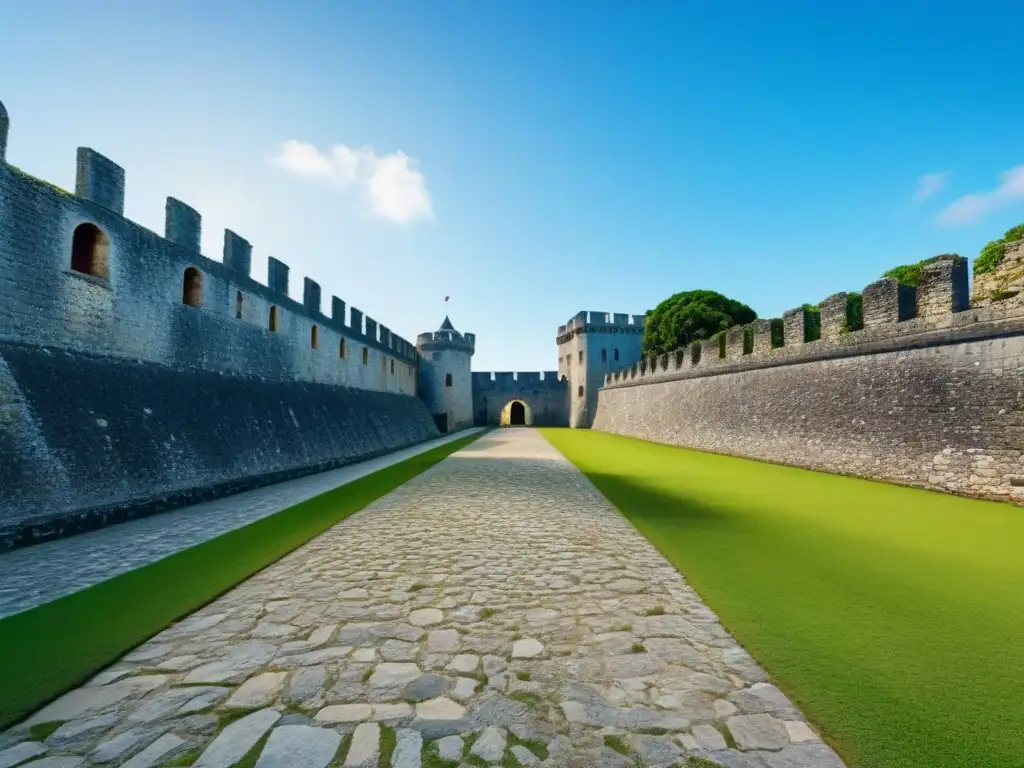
(192, 287)
(517, 414)
(90, 251)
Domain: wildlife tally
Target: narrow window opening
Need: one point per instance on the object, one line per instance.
(581, 355)
(314, 337)
(447, 379)
(604, 355)
(580, 391)
(366, 356)
(616, 354)
(273, 319)
(90, 251)
(192, 287)
(392, 366)
(238, 305)
(342, 352)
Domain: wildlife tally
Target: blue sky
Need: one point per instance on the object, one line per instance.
(532, 159)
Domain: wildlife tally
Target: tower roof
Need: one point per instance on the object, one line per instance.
(447, 326)
(446, 337)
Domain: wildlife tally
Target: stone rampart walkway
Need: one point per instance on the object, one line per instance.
(496, 610)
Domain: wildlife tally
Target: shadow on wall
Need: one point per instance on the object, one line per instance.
(97, 440)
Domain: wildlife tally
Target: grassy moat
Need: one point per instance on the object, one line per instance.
(893, 617)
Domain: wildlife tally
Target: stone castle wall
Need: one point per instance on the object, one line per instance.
(90, 439)
(137, 374)
(929, 393)
(544, 393)
(138, 310)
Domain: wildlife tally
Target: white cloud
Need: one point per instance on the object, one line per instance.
(972, 207)
(391, 185)
(929, 184)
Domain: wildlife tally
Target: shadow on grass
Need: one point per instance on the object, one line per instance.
(861, 599)
(646, 503)
(51, 648)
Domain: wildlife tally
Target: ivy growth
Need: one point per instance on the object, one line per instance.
(854, 313)
(812, 322)
(910, 274)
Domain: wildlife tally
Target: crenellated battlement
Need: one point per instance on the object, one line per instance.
(895, 317)
(600, 322)
(508, 381)
(74, 272)
(433, 340)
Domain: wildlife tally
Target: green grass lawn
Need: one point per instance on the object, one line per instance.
(49, 649)
(893, 617)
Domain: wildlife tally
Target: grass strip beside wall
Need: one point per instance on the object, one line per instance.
(50, 649)
(892, 616)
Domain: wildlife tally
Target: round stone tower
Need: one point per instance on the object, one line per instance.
(444, 382)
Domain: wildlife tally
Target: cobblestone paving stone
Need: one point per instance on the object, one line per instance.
(496, 610)
(34, 575)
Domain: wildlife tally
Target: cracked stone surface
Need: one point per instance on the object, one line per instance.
(495, 605)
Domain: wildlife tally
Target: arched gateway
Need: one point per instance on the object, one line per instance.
(517, 414)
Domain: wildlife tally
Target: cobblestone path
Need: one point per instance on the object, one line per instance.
(495, 610)
(31, 576)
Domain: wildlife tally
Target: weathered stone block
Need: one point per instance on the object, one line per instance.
(734, 342)
(311, 295)
(795, 322)
(833, 316)
(887, 302)
(277, 275)
(99, 180)
(943, 288)
(237, 253)
(710, 351)
(762, 332)
(337, 310)
(182, 224)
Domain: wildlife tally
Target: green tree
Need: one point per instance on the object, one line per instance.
(690, 316)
